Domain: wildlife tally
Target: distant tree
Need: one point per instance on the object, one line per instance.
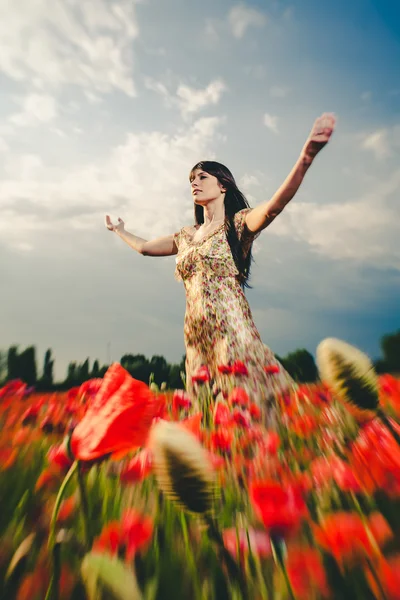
(71, 374)
(137, 365)
(3, 366)
(48, 365)
(300, 364)
(95, 369)
(83, 371)
(26, 366)
(390, 345)
(12, 363)
(160, 368)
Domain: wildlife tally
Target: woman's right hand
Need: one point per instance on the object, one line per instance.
(119, 228)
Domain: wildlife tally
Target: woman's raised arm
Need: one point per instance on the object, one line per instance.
(261, 216)
(162, 246)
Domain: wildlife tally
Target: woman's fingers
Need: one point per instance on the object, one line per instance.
(109, 225)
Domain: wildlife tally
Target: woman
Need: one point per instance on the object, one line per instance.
(213, 260)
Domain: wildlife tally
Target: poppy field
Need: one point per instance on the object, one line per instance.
(120, 490)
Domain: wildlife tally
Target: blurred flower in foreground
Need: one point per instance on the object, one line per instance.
(260, 543)
(281, 509)
(350, 373)
(306, 573)
(182, 467)
(118, 419)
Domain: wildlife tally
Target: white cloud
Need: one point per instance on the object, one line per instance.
(147, 175)
(192, 100)
(241, 17)
(271, 122)
(52, 42)
(364, 230)
(249, 180)
(188, 100)
(36, 108)
(378, 143)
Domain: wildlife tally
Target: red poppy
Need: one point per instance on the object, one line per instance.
(271, 369)
(180, 400)
(306, 573)
(130, 534)
(138, 468)
(12, 388)
(241, 418)
(344, 535)
(239, 396)
(224, 369)
(260, 543)
(66, 510)
(222, 439)
(193, 424)
(118, 419)
(7, 458)
(57, 456)
(281, 509)
(271, 442)
(255, 412)
(202, 375)
(239, 368)
(222, 414)
(388, 572)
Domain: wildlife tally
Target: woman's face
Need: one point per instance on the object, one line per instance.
(205, 187)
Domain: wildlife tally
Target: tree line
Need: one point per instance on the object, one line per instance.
(15, 364)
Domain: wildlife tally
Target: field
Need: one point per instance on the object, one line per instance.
(120, 490)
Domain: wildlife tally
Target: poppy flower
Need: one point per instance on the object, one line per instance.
(388, 572)
(241, 418)
(127, 536)
(306, 573)
(118, 419)
(202, 375)
(138, 468)
(224, 369)
(271, 369)
(222, 414)
(222, 439)
(239, 368)
(57, 456)
(344, 535)
(239, 396)
(281, 509)
(180, 400)
(260, 543)
(255, 412)
(67, 508)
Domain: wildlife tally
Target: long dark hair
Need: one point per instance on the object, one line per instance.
(234, 201)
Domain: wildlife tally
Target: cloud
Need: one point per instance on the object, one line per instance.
(241, 17)
(146, 175)
(378, 143)
(271, 122)
(54, 43)
(36, 109)
(364, 230)
(192, 100)
(189, 100)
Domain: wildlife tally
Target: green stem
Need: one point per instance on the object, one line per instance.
(233, 568)
(276, 546)
(52, 591)
(189, 554)
(85, 508)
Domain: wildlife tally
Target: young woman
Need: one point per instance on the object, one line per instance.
(213, 260)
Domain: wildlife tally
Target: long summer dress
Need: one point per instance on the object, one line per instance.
(218, 327)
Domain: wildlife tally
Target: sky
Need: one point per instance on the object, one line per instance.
(105, 105)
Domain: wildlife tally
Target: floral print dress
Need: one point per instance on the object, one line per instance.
(219, 327)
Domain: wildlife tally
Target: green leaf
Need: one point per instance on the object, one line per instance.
(21, 553)
(101, 570)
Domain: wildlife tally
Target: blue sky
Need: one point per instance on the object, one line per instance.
(104, 108)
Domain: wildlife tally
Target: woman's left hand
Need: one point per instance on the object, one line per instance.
(319, 136)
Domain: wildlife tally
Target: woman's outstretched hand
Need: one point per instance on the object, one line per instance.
(116, 228)
(319, 136)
